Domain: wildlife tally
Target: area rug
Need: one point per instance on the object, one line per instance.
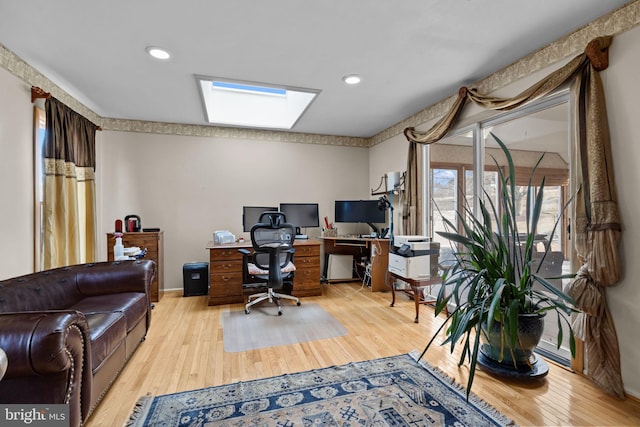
(262, 327)
(392, 391)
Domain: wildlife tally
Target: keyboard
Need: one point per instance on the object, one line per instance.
(301, 236)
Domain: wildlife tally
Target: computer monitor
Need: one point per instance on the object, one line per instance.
(301, 215)
(251, 215)
(366, 211)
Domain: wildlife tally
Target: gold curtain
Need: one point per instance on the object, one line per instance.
(597, 223)
(69, 214)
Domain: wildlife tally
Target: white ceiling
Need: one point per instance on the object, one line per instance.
(410, 53)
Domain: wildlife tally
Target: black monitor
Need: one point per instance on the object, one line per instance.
(251, 214)
(301, 215)
(366, 211)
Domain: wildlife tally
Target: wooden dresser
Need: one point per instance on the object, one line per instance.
(225, 270)
(153, 242)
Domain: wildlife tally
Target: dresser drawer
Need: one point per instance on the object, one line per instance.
(140, 240)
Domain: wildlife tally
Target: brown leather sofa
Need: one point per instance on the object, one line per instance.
(68, 332)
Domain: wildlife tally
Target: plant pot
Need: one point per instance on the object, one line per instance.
(497, 348)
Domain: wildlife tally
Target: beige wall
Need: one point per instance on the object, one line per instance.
(16, 176)
(192, 186)
(622, 93)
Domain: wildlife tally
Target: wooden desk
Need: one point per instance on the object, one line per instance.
(375, 250)
(226, 275)
(417, 287)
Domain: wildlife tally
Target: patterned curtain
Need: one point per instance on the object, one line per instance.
(69, 214)
(597, 220)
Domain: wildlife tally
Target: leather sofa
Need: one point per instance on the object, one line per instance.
(68, 332)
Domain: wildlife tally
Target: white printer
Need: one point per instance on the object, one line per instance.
(221, 237)
(414, 257)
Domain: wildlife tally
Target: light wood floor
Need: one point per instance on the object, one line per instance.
(184, 350)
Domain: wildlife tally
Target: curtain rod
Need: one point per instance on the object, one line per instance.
(37, 93)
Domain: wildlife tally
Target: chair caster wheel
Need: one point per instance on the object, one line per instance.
(298, 304)
(279, 313)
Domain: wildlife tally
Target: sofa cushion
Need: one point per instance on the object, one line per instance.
(107, 331)
(132, 305)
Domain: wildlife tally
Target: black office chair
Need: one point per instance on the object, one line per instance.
(272, 240)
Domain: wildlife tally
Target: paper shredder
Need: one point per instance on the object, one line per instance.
(196, 278)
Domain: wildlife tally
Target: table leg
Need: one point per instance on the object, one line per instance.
(416, 299)
(393, 289)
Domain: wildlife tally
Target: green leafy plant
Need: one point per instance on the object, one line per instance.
(492, 277)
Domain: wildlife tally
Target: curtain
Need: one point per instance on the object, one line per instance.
(69, 214)
(597, 222)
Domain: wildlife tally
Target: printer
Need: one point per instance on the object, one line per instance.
(414, 257)
(221, 237)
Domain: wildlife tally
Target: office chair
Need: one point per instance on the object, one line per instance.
(272, 240)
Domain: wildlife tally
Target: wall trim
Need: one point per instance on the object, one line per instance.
(615, 22)
(123, 125)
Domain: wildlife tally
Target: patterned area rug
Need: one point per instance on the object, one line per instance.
(392, 391)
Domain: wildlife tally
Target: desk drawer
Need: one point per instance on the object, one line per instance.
(306, 262)
(307, 251)
(226, 284)
(225, 254)
(307, 282)
(226, 266)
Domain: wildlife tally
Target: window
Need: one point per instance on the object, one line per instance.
(39, 129)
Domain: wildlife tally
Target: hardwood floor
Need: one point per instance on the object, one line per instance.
(184, 350)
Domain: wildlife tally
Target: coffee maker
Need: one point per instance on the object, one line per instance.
(132, 223)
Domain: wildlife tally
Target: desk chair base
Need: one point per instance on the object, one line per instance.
(272, 297)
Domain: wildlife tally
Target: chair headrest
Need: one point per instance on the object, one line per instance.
(274, 219)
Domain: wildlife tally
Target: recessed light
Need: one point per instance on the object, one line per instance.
(158, 52)
(352, 79)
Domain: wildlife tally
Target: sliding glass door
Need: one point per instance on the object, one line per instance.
(471, 159)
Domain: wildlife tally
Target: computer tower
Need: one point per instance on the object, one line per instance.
(340, 267)
(196, 278)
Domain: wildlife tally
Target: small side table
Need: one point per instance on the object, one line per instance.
(3, 363)
(417, 286)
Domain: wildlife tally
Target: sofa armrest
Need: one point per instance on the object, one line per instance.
(114, 277)
(42, 343)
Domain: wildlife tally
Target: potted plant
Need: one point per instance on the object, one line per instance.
(491, 280)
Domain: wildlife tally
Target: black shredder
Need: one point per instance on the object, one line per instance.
(196, 278)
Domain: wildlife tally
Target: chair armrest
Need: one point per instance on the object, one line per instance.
(41, 343)
(245, 252)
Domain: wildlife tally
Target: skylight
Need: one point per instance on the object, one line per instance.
(253, 105)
